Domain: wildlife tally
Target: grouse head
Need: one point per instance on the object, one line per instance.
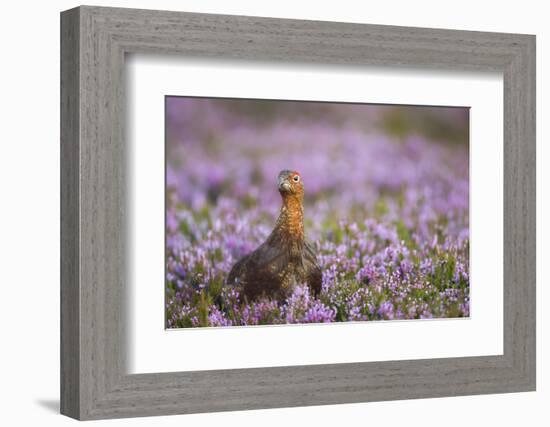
(290, 184)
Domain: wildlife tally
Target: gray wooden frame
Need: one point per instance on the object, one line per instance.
(94, 41)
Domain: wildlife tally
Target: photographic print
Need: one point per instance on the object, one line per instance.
(293, 212)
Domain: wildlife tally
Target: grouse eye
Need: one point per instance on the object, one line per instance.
(296, 178)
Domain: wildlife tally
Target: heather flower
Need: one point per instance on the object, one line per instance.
(319, 313)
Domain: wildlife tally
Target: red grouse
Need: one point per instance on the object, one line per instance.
(285, 259)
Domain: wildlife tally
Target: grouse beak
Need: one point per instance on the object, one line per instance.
(284, 185)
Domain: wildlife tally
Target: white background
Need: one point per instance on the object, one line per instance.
(151, 78)
(29, 224)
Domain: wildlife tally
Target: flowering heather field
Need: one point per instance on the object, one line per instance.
(386, 207)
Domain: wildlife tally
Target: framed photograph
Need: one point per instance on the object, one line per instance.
(261, 213)
(373, 226)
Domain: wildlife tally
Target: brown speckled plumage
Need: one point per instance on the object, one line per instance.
(285, 259)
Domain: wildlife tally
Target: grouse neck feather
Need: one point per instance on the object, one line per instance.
(290, 224)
